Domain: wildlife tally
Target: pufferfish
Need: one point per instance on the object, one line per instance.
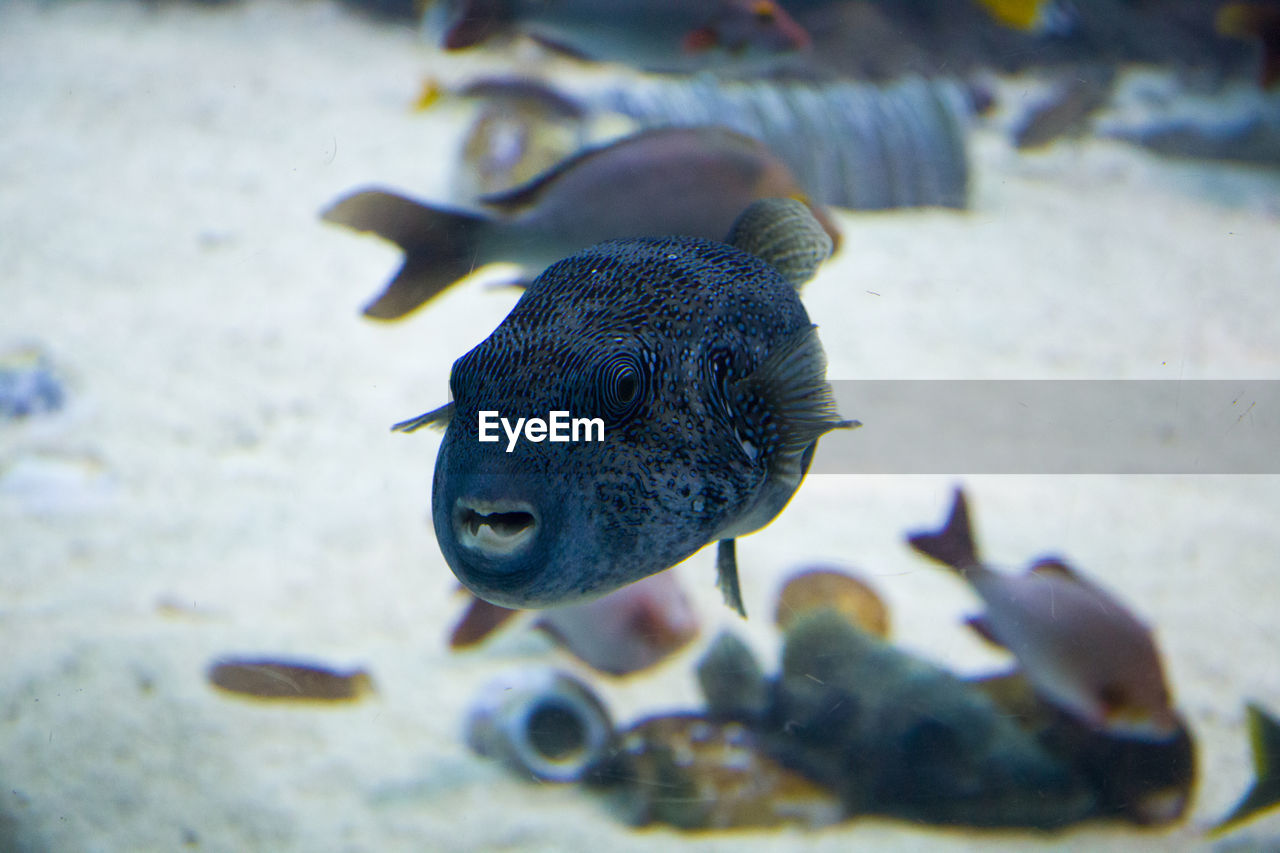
(710, 381)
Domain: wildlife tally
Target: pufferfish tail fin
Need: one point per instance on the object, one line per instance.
(783, 233)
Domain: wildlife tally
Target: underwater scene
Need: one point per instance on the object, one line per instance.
(452, 425)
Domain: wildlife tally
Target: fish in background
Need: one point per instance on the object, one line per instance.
(896, 735)
(690, 182)
(1068, 109)
(1080, 648)
(653, 34)
(1029, 15)
(523, 128)
(1255, 21)
(710, 382)
(1264, 793)
(623, 632)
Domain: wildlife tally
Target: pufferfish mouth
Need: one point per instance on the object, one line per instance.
(495, 528)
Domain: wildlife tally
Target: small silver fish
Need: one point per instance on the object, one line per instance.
(1080, 648)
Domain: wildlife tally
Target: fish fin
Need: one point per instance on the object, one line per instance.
(526, 195)
(727, 576)
(1264, 740)
(1054, 567)
(953, 545)
(438, 418)
(982, 628)
(784, 233)
(428, 95)
(786, 404)
(440, 246)
(475, 21)
(480, 620)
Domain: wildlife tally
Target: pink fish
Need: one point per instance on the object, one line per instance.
(1078, 646)
(626, 631)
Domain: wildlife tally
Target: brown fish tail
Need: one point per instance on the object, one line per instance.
(440, 246)
(480, 621)
(953, 545)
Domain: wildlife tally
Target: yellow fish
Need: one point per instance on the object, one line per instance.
(1027, 15)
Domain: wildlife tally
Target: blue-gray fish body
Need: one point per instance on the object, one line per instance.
(709, 379)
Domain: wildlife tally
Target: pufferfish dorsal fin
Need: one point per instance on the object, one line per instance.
(787, 403)
(438, 418)
(783, 233)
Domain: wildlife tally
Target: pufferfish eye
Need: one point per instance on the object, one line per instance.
(623, 384)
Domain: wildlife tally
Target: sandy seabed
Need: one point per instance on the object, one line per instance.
(222, 480)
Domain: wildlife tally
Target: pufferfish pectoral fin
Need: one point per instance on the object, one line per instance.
(438, 418)
(727, 576)
(787, 404)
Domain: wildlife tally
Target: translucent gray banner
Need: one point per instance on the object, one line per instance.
(1055, 427)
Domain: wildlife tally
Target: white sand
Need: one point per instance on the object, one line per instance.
(224, 481)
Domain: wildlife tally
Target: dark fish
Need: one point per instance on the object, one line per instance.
(272, 679)
(654, 34)
(1147, 782)
(707, 381)
(1264, 793)
(691, 182)
(1080, 647)
(896, 735)
(1068, 109)
(1260, 21)
(732, 681)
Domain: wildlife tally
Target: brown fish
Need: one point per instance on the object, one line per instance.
(1259, 21)
(690, 182)
(282, 680)
(1081, 649)
(655, 34)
